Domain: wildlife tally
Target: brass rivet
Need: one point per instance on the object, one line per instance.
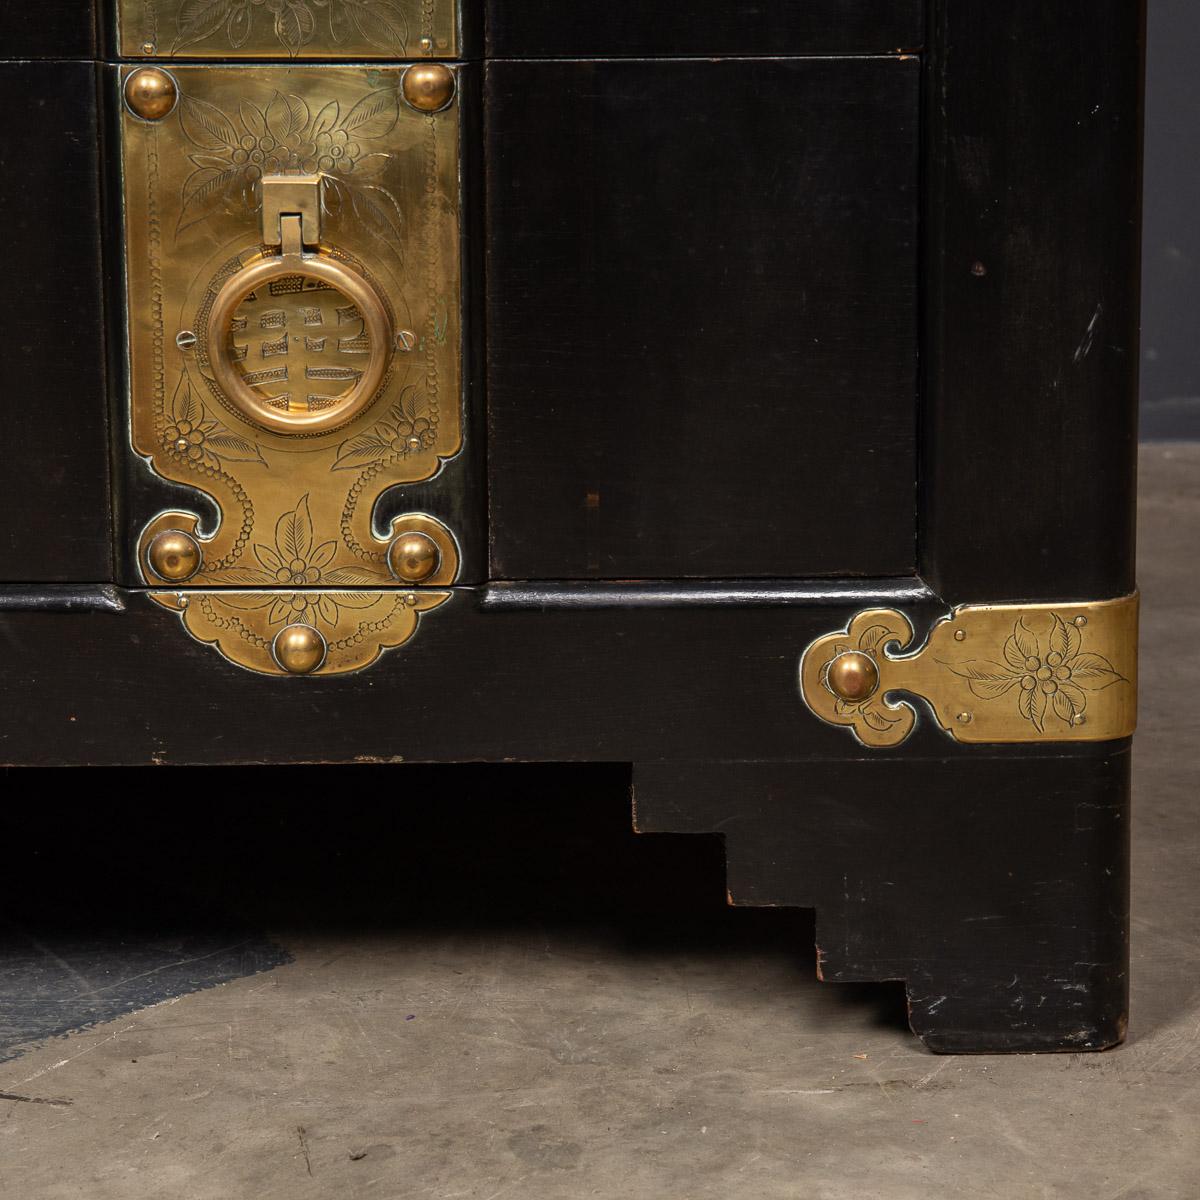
(853, 676)
(174, 555)
(964, 718)
(1080, 719)
(414, 557)
(406, 341)
(299, 649)
(960, 635)
(150, 93)
(428, 87)
(427, 44)
(1080, 622)
(147, 47)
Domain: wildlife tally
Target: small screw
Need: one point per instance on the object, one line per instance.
(1080, 622)
(185, 339)
(406, 340)
(147, 47)
(960, 635)
(427, 44)
(183, 602)
(964, 718)
(1081, 719)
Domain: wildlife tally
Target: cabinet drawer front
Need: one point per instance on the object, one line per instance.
(535, 28)
(702, 317)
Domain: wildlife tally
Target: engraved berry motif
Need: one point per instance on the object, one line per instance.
(1051, 674)
(197, 439)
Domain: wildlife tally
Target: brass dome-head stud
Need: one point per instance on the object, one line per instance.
(428, 87)
(174, 555)
(299, 649)
(150, 93)
(853, 676)
(414, 557)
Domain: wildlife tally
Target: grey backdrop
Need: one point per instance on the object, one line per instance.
(1171, 247)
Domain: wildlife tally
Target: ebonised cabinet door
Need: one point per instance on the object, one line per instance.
(702, 317)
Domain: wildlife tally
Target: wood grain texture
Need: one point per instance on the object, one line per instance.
(1033, 282)
(996, 887)
(701, 318)
(551, 28)
(54, 489)
(63, 29)
(626, 683)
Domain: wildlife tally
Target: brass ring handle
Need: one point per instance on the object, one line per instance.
(272, 388)
(296, 416)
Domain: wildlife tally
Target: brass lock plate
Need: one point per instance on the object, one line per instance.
(295, 338)
(346, 29)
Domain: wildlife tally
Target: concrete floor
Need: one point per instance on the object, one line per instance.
(580, 1018)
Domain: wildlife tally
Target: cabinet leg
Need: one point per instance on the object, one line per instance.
(995, 885)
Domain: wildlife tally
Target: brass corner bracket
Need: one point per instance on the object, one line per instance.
(989, 673)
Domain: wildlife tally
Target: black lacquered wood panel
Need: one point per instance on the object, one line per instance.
(60, 29)
(520, 28)
(702, 317)
(1029, 468)
(54, 485)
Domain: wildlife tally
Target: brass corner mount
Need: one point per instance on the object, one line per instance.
(989, 673)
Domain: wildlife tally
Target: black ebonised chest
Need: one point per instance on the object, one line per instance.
(744, 391)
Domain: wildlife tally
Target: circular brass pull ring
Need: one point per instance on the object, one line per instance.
(255, 405)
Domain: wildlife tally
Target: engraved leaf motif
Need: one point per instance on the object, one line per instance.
(377, 215)
(870, 639)
(202, 189)
(268, 557)
(239, 25)
(327, 609)
(986, 680)
(293, 532)
(379, 22)
(350, 575)
(1033, 708)
(294, 25)
(1064, 638)
(184, 405)
(1025, 641)
(229, 446)
(322, 556)
(339, 22)
(353, 599)
(374, 115)
(286, 115)
(1094, 672)
(326, 119)
(199, 19)
(359, 451)
(205, 125)
(875, 719)
(252, 119)
(247, 575)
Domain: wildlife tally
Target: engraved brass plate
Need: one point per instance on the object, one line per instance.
(293, 362)
(990, 673)
(350, 629)
(346, 29)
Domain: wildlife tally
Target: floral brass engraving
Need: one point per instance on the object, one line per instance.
(358, 626)
(348, 29)
(295, 510)
(989, 673)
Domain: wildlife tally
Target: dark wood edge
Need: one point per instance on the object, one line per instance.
(66, 597)
(1030, 344)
